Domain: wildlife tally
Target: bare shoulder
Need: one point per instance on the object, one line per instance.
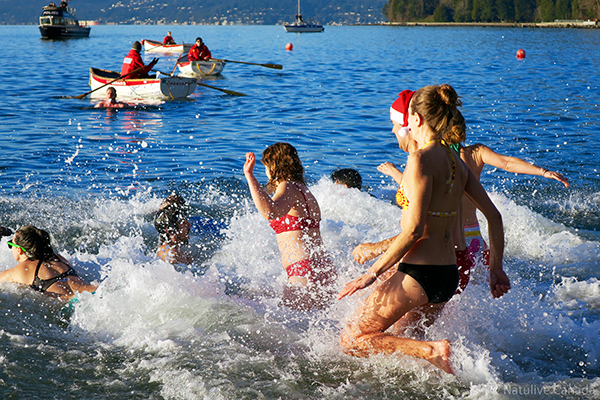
(16, 274)
(473, 156)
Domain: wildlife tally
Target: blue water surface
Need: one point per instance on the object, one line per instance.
(94, 178)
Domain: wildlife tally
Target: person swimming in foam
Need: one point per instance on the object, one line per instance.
(173, 227)
(295, 216)
(40, 267)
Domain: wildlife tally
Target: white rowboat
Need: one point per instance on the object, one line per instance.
(199, 69)
(152, 46)
(161, 87)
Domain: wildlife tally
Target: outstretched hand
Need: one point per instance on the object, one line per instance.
(556, 176)
(250, 163)
(499, 283)
(359, 283)
(387, 168)
(365, 252)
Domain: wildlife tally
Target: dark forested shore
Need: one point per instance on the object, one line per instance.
(589, 24)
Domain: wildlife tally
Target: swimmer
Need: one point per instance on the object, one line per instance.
(471, 249)
(295, 216)
(111, 100)
(422, 258)
(40, 268)
(348, 177)
(173, 227)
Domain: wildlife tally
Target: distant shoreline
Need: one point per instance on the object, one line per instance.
(579, 24)
(574, 24)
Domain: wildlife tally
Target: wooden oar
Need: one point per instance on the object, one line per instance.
(231, 92)
(274, 66)
(81, 96)
(176, 63)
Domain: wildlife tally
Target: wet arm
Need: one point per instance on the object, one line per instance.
(518, 166)
(389, 169)
(367, 251)
(499, 282)
(420, 186)
(267, 207)
(413, 226)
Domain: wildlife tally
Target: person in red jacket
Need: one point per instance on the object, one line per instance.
(168, 39)
(133, 61)
(199, 51)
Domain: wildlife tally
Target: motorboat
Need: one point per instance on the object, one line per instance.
(59, 22)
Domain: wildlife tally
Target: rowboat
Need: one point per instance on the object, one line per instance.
(60, 23)
(299, 25)
(152, 46)
(199, 69)
(160, 87)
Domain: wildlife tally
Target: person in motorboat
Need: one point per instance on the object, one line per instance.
(40, 267)
(168, 39)
(111, 100)
(421, 260)
(173, 227)
(133, 61)
(199, 51)
(294, 214)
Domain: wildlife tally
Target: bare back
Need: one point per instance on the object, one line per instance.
(299, 244)
(434, 193)
(25, 273)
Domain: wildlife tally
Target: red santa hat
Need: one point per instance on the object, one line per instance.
(399, 111)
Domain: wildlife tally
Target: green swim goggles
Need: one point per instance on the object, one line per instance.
(11, 244)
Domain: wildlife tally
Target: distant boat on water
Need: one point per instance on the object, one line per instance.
(301, 26)
(59, 22)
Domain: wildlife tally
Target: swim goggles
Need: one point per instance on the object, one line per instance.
(11, 244)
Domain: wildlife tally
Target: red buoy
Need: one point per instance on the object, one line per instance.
(520, 54)
(289, 46)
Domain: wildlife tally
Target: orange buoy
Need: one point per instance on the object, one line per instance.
(520, 54)
(289, 46)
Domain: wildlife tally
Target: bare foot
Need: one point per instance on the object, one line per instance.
(441, 355)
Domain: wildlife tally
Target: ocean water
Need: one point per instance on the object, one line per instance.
(215, 330)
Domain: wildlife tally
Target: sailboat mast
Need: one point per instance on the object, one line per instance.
(299, 8)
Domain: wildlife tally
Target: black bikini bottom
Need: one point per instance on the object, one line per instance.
(438, 281)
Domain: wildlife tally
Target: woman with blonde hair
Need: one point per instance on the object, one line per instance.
(295, 216)
(422, 255)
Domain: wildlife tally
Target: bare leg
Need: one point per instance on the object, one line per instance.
(417, 320)
(388, 303)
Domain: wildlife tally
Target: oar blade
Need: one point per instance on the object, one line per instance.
(274, 66)
(230, 92)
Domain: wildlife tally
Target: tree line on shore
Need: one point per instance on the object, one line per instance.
(490, 10)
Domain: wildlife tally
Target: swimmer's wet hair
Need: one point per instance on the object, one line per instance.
(283, 163)
(35, 241)
(172, 210)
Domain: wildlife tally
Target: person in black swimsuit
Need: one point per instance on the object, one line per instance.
(421, 260)
(40, 268)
